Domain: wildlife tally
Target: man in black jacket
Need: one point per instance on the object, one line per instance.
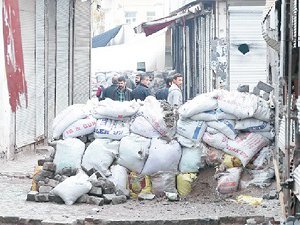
(122, 93)
(109, 91)
(142, 91)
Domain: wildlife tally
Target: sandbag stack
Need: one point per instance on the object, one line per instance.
(144, 149)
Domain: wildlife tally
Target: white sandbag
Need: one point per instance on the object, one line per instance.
(153, 113)
(190, 129)
(212, 130)
(100, 154)
(241, 105)
(262, 178)
(228, 182)
(163, 156)
(192, 160)
(68, 116)
(133, 152)
(263, 158)
(119, 177)
(143, 127)
(163, 182)
(268, 134)
(218, 141)
(252, 125)
(112, 129)
(115, 109)
(72, 188)
(183, 141)
(226, 127)
(80, 128)
(245, 146)
(200, 103)
(205, 116)
(68, 154)
(221, 115)
(263, 111)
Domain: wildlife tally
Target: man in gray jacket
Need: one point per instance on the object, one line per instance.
(175, 94)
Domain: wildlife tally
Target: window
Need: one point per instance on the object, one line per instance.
(150, 16)
(130, 17)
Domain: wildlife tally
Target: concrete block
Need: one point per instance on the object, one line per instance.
(108, 198)
(96, 191)
(49, 166)
(45, 189)
(265, 87)
(93, 200)
(42, 197)
(266, 96)
(243, 88)
(83, 198)
(119, 200)
(56, 199)
(31, 196)
(57, 177)
(256, 91)
(52, 183)
(107, 186)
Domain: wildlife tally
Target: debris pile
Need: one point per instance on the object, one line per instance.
(109, 151)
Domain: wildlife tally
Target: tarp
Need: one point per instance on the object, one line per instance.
(102, 40)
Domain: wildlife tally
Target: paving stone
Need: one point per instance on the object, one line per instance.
(31, 196)
(108, 198)
(57, 177)
(52, 183)
(243, 88)
(96, 191)
(42, 197)
(83, 199)
(41, 183)
(49, 166)
(56, 199)
(107, 186)
(68, 171)
(256, 91)
(26, 221)
(119, 200)
(265, 87)
(266, 96)
(46, 173)
(93, 200)
(45, 189)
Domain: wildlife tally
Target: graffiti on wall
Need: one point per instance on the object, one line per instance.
(14, 64)
(219, 62)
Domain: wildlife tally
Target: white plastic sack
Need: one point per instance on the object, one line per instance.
(190, 129)
(143, 127)
(213, 157)
(212, 130)
(68, 116)
(205, 116)
(252, 125)
(183, 141)
(218, 141)
(226, 127)
(163, 156)
(200, 103)
(245, 146)
(224, 116)
(264, 158)
(115, 109)
(263, 111)
(163, 182)
(241, 105)
(228, 182)
(112, 129)
(100, 154)
(262, 178)
(133, 152)
(268, 134)
(68, 154)
(119, 177)
(192, 160)
(72, 188)
(80, 128)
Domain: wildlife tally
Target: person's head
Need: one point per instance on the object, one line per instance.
(177, 79)
(121, 83)
(114, 79)
(169, 81)
(145, 80)
(138, 78)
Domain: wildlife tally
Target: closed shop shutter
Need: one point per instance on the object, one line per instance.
(81, 76)
(26, 116)
(247, 60)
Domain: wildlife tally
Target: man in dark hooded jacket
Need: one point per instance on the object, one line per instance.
(109, 91)
(142, 91)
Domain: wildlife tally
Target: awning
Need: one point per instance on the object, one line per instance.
(102, 40)
(156, 25)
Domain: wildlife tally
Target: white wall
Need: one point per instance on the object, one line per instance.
(149, 49)
(5, 110)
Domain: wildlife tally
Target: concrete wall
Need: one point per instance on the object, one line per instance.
(5, 110)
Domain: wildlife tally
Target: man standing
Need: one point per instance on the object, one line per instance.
(162, 94)
(142, 91)
(122, 93)
(109, 91)
(175, 94)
